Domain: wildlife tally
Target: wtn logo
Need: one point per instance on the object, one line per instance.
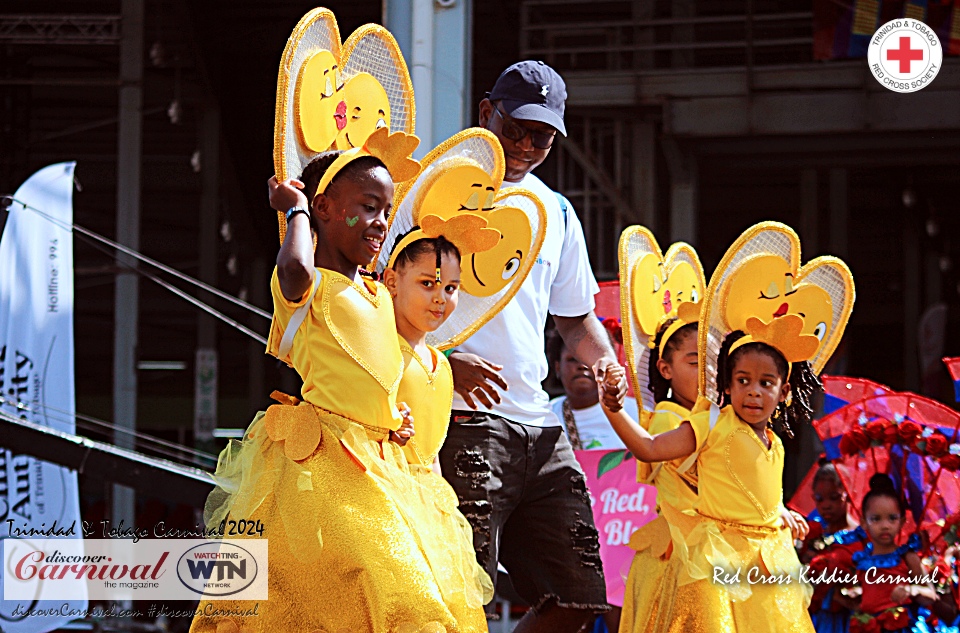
(220, 568)
(224, 568)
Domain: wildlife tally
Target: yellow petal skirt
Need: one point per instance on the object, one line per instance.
(690, 584)
(357, 542)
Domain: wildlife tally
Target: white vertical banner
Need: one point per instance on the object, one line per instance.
(36, 372)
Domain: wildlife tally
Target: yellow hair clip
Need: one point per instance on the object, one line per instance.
(469, 233)
(393, 150)
(784, 334)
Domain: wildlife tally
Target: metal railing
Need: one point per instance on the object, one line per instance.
(645, 36)
(60, 29)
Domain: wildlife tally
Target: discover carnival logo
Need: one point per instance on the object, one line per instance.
(905, 55)
(124, 569)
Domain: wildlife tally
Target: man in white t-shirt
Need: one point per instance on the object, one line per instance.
(518, 482)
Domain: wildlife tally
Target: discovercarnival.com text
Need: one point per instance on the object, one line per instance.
(113, 611)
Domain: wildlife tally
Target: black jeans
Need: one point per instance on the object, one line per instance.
(525, 495)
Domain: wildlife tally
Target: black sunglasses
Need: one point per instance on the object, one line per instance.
(516, 132)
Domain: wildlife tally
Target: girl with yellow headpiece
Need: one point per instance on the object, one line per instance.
(660, 305)
(352, 532)
(766, 327)
(423, 277)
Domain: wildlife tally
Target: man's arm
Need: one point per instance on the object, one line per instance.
(590, 344)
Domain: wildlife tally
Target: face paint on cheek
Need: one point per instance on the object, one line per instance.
(351, 221)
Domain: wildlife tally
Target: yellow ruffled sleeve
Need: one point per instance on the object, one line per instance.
(701, 427)
(282, 311)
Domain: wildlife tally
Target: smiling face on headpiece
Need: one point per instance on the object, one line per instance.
(659, 287)
(767, 287)
(368, 109)
(467, 189)
(320, 109)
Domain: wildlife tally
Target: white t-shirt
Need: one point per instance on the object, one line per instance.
(561, 282)
(592, 425)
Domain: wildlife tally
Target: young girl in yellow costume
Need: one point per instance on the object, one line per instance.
(424, 278)
(766, 326)
(659, 310)
(349, 527)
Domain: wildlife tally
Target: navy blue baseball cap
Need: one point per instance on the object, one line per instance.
(532, 91)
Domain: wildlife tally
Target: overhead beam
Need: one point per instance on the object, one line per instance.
(60, 29)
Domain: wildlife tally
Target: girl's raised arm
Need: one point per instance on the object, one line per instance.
(662, 447)
(295, 260)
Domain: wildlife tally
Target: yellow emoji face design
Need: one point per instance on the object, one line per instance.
(320, 109)
(467, 188)
(765, 287)
(488, 272)
(368, 109)
(658, 288)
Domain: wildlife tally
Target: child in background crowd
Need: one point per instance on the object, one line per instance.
(829, 547)
(579, 408)
(893, 582)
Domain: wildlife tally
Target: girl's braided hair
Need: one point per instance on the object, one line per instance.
(804, 384)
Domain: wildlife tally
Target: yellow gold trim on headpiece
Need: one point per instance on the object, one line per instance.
(433, 155)
(637, 242)
(281, 129)
(771, 241)
(393, 150)
(469, 233)
(528, 262)
(687, 313)
(783, 334)
(403, 74)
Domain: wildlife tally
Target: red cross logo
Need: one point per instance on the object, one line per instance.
(905, 54)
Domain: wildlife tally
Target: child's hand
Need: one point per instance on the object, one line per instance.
(797, 524)
(287, 194)
(612, 384)
(402, 435)
(901, 594)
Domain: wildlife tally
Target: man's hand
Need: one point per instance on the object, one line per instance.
(475, 377)
(612, 382)
(402, 435)
(287, 194)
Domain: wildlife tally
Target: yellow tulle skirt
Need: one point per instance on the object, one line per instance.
(684, 578)
(648, 599)
(357, 541)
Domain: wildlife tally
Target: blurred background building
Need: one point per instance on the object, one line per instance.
(696, 118)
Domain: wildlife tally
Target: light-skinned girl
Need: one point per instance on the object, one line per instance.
(423, 277)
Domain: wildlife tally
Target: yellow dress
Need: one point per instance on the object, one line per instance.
(736, 568)
(644, 603)
(333, 493)
(428, 392)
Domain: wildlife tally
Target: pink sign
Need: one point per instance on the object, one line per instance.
(620, 507)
